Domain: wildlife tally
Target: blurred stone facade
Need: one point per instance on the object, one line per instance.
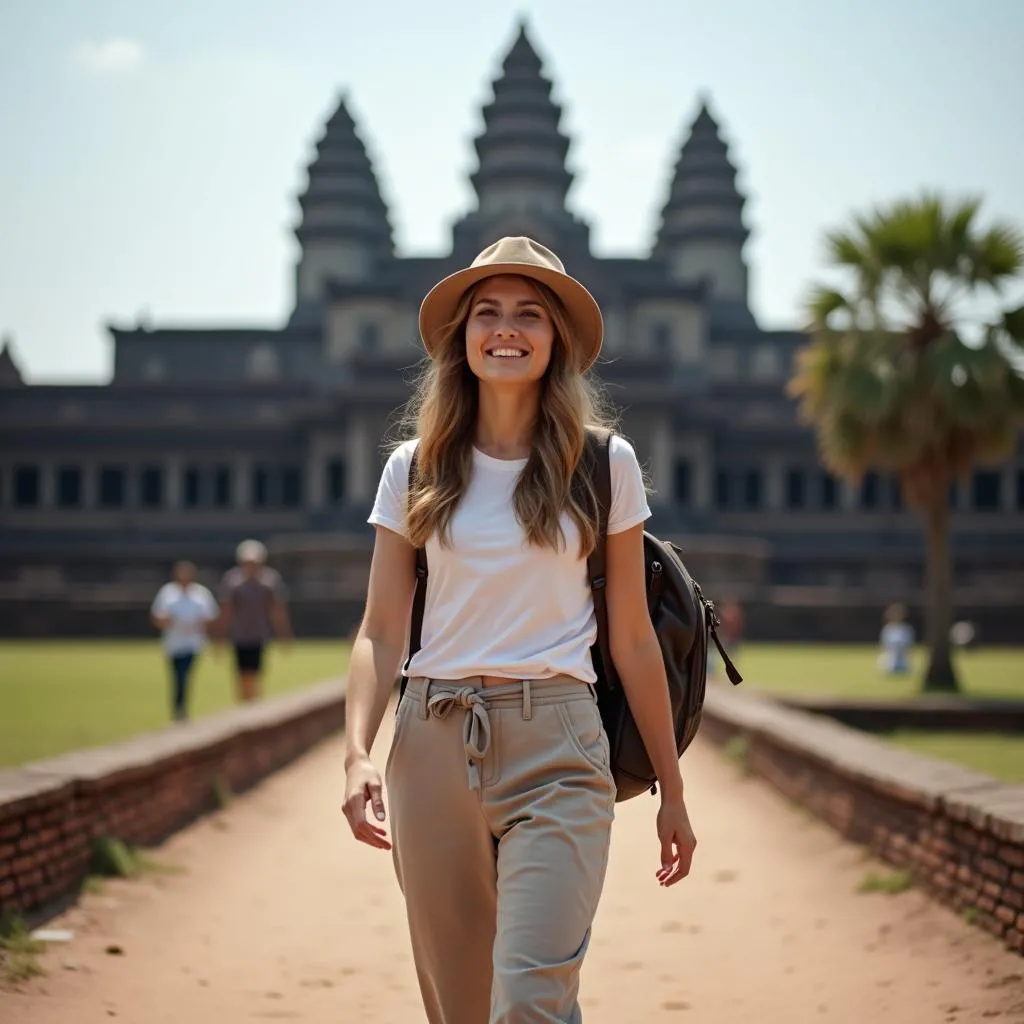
(206, 436)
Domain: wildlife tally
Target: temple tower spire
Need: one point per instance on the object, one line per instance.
(344, 232)
(702, 231)
(521, 151)
(521, 179)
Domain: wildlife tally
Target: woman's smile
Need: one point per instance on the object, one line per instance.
(501, 351)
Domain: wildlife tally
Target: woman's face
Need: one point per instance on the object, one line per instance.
(509, 333)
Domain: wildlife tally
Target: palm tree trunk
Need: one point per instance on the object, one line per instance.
(940, 676)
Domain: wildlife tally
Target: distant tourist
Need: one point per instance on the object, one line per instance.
(896, 641)
(253, 611)
(731, 630)
(183, 609)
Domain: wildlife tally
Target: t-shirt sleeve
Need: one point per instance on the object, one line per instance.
(277, 586)
(389, 505)
(226, 590)
(629, 493)
(162, 600)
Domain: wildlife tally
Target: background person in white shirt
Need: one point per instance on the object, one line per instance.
(896, 641)
(499, 778)
(183, 610)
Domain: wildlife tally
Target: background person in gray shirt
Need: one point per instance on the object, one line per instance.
(253, 611)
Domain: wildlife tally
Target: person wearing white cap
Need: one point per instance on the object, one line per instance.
(500, 789)
(254, 610)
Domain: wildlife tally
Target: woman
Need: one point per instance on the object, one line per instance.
(498, 777)
(183, 611)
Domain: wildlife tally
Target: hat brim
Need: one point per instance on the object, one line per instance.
(438, 308)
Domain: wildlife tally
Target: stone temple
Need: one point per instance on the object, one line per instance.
(207, 436)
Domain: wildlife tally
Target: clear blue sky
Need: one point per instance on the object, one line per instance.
(152, 151)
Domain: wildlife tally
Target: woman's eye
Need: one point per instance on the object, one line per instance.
(531, 313)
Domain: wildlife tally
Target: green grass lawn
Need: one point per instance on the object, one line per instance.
(998, 755)
(60, 695)
(56, 696)
(789, 670)
(850, 672)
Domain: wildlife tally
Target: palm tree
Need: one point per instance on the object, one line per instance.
(900, 374)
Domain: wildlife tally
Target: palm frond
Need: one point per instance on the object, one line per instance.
(899, 440)
(968, 383)
(867, 383)
(844, 249)
(997, 256)
(823, 303)
(815, 365)
(959, 223)
(846, 444)
(905, 235)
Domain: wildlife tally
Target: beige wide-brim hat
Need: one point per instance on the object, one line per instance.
(527, 258)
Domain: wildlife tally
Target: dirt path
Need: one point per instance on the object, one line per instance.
(279, 915)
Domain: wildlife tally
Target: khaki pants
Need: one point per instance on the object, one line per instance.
(501, 802)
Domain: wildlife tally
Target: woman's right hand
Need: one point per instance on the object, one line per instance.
(363, 789)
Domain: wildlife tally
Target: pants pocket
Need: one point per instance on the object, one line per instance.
(402, 713)
(581, 722)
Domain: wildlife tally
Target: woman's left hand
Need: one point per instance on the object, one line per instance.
(677, 840)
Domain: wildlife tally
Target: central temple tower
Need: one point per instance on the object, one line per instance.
(521, 179)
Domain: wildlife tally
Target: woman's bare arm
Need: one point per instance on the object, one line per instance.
(380, 641)
(638, 662)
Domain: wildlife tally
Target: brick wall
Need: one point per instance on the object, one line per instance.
(960, 833)
(143, 789)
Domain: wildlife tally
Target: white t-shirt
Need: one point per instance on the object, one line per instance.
(496, 605)
(189, 610)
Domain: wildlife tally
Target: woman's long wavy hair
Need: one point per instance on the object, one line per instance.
(556, 478)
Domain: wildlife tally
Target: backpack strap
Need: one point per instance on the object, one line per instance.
(419, 597)
(730, 669)
(598, 441)
(711, 617)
